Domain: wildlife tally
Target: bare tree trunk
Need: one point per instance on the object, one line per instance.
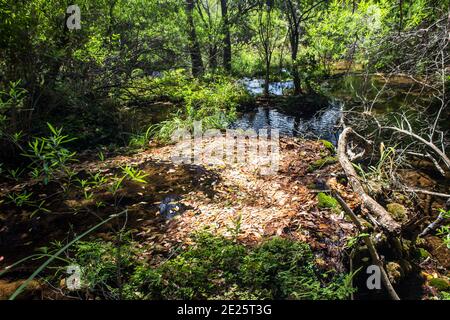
(194, 46)
(227, 37)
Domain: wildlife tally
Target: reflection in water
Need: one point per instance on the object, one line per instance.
(321, 125)
(256, 86)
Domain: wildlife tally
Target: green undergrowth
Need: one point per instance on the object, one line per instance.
(212, 268)
(212, 100)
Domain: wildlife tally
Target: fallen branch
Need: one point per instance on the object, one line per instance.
(436, 223)
(428, 156)
(383, 217)
(431, 193)
(372, 250)
(429, 144)
(432, 226)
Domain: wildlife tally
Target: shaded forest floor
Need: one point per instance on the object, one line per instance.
(223, 198)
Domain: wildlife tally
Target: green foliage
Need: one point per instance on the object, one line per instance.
(48, 155)
(440, 284)
(134, 174)
(21, 199)
(15, 173)
(327, 144)
(352, 241)
(379, 174)
(212, 101)
(213, 268)
(220, 268)
(51, 256)
(444, 231)
(103, 263)
(398, 211)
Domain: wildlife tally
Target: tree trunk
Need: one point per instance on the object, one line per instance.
(213, 57)
(267, 78)
(194, 46)
(295, 73)
(227, 37)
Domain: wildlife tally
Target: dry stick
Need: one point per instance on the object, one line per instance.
(425, 142)
(383, 217)
(372, 250)
(436, 222)
(431, 193)
(427, 155)
(433, 225)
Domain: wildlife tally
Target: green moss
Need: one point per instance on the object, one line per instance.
(326, 201)
(327, 144)
(394, 271)
(406, 245)
(440, 284)
(397, 211)
(318, 164)
(423, 253)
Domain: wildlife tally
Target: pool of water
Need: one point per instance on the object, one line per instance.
(347, 92)
(292, 122)
(256, 86)
(320, 125)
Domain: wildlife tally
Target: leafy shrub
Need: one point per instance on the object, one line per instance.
(200, 272)
(48, 154)
(105, 265)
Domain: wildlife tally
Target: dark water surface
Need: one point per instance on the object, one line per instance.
(356, 92)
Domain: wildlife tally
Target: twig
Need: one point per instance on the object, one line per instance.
(429, 144)
(437, 194)
(433, 225)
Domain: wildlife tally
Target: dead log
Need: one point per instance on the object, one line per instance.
(383, 217)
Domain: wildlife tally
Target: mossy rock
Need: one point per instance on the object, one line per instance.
(394, 271)
(327, 144)
(326, 201)
(440, 284)
(397, 211)
(318, 164)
